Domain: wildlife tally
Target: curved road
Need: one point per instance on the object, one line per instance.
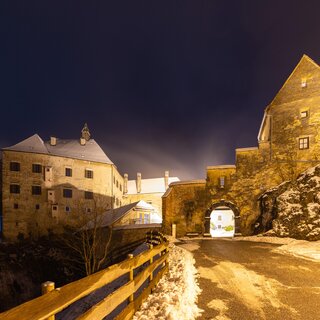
(243, 280)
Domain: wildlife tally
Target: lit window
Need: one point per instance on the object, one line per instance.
(304, 143)
(88, 174)
(88, 195)
(36, 168)
(14, 188)
(36, 190)
(304, 114)
(14, 166)
(221, 182)
(68, 172)
(67, 193)
(303, 83)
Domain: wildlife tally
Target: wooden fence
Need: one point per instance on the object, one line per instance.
(55, 301)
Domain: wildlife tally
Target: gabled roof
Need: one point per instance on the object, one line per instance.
(91, 151)
(113, 215)
(32, 144)
(307, 69)
(155, 185)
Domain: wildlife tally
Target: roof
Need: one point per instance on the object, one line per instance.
(113, 215)
(91, 151)
(155, 185)
(223, 166)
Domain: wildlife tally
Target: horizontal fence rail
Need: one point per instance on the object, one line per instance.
(55, 301)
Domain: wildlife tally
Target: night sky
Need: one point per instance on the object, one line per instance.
(163, 85)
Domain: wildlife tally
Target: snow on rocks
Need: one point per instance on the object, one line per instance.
(293, 208)
(175, 296)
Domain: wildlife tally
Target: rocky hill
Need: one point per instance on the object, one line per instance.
(292, 209)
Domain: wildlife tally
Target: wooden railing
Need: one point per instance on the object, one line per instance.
(55, 301)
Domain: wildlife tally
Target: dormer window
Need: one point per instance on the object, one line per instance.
(303, 83)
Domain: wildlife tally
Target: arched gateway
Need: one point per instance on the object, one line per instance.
(222, 219)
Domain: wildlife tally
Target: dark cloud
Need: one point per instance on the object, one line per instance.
(171, 85)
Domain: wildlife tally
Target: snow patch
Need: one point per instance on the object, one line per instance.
(175, 296)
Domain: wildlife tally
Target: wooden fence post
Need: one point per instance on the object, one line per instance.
(151, 261)
(130, 256)
(46, 287)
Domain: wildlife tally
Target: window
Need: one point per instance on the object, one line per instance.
(67, 193)
(117, 184)
(37, 206)
(219, 218)
(14, 166)
(88, 195)
(15, 206)
(221, 182)
(219, 226)
(304, 143)
(117, 201)
(304, 114)
(88, 174)
(120, 187)
(88, 210)
(36, 168)
(14, 188)
(36, 190)
(54, 208)
(68, 172)
(68, 209)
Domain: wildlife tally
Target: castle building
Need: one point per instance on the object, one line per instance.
(49, 184)
(227, 202)
(148, 190)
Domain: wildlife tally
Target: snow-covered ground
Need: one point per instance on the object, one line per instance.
(299, 248)
(175, 296)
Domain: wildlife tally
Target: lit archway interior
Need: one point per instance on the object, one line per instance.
(222, 222)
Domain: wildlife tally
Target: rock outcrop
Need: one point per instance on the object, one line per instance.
(293, 208)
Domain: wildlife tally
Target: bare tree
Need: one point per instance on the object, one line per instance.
(90, 237)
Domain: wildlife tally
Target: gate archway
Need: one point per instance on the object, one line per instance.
(222, 219)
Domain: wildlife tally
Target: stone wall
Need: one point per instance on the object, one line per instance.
(184, 205)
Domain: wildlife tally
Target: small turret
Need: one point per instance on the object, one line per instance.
(85, 133)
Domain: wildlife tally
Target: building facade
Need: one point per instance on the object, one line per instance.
(148, 190)
(46, 185)
(288, 143)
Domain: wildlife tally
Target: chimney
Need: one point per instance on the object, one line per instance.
(53, 141)
(166, 179)
(82, 141)
(125, 183)
(138, 182)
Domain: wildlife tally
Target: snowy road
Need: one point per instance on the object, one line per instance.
(246, 280)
